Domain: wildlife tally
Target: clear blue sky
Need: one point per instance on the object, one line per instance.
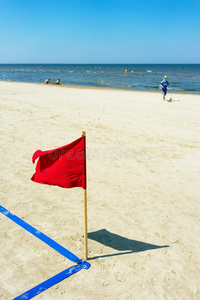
(99, 31)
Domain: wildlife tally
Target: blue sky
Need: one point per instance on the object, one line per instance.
(99, 31)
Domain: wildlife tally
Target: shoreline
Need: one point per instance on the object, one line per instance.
(105, 88)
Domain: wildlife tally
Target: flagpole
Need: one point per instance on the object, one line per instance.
(85, 209)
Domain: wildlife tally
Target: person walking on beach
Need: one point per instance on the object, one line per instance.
(164, 85)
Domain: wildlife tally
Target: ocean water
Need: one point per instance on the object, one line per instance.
(183, 78)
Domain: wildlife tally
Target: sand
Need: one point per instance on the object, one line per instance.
(143, 166)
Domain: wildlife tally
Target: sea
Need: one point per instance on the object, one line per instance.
(183, 78)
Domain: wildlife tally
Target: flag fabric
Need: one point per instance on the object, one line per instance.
(64, 166)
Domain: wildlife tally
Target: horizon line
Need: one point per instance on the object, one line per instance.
(54, 63)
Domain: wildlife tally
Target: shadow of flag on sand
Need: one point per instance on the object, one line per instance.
(120, 243)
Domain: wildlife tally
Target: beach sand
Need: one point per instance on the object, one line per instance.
(143, 167)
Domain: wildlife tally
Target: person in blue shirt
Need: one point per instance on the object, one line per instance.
(164, 85)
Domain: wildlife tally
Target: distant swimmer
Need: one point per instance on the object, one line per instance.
(58, 81)
(47, 81)
(164, 85)
(126, 71)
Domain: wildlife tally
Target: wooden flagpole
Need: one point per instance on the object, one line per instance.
(85, 210)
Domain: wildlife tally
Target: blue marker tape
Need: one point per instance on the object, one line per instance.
(41, 236)
(57, 278)
(48, 283)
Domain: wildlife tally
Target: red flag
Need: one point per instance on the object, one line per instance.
(64, 166)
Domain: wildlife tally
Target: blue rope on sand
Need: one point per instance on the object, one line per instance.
(57, 278)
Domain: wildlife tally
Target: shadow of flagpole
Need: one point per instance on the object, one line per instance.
(117, 242)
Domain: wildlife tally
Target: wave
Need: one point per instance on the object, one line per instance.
(146, 77)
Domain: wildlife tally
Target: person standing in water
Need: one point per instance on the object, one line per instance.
(164, 85)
